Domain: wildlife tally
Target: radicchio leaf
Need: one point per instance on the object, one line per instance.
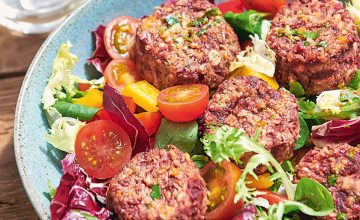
(78, 191)
(337, 131)
(248, 213)
(115, 105)
(100, 58)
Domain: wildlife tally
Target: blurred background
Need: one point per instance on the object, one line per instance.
(24, 26)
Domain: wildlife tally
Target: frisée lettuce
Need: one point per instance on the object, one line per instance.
(63, 133)
(61, 80)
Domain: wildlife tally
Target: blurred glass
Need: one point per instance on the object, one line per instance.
(35, 16)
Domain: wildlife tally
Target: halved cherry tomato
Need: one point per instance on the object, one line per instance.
(83, 86)
(245, 71)
(236, 6)
(272, 197)
(183, 103)
(121, 72)
(93, 98)
(150, 120)
(221, 180)
(119, 36)
(271, 6)
(102, 148)
(130, 104)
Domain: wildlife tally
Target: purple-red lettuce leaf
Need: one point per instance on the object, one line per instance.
(115, 105)
(100, 58)
(337, 131)
(78, 191)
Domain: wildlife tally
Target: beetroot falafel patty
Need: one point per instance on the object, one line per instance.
(316, 43)
(183, 190)
(337, 167)
(185, 42)
(250, 104)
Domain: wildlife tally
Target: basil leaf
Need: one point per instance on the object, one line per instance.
(200, 160)
(80, 112)
(296, 89)
(247, 23)
(155, 193)
(304, 134)
(182, 135)
(314, 195)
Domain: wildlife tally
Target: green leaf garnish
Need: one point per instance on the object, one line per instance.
(155, 193)
(332, 179)
(182, 135)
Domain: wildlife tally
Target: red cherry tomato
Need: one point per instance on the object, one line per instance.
(119, 36)
(83, 86)
(183, 103)
(130, 104)
(121, 72)
(221, 180)
(272, 197)
(102, 148)
(271, 6)
(236, 6)
(150, 120)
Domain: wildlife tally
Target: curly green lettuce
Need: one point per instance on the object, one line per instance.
(61, 80)
(63, 133)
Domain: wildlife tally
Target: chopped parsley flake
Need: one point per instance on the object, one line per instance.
(212, 12)
(155, 193)
(322, 44)
(311, 34)
(352, 154)
(306, 43)
(341, 216)
(201, 32)
(171, 20)
(332, 179)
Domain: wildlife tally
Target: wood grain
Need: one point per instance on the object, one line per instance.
(14, 203)
(17, 51)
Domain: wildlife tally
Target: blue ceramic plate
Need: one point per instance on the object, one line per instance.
(37, 161)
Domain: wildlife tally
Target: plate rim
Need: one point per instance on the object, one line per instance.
(38, 207)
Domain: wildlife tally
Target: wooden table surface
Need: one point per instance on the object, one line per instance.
(15, 56)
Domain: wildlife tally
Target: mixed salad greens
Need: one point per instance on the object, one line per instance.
(129, 108)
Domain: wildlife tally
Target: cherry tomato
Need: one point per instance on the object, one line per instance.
(235, 6)
(83, 86)
(102, 148)
(271, 6)
(221, 180)
(150, 120)
(119, 36)
(130, 104)
(272, 197)
(183, 103)
(121, 72)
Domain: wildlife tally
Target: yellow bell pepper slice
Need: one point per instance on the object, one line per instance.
(93, 98)
(144, 94)
(263, 181)
(246, 71)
